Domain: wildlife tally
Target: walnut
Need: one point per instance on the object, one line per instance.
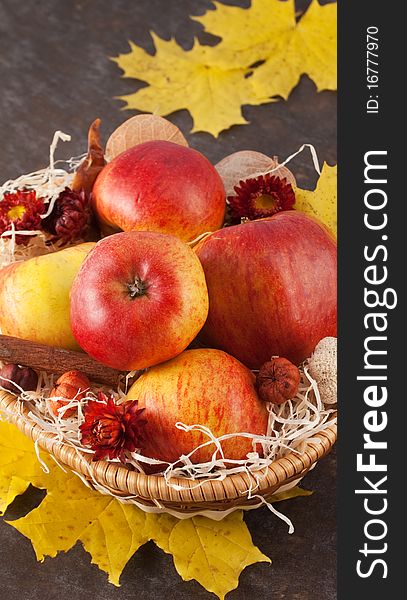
(277, 380)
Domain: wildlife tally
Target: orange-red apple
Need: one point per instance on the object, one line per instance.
(160, 186)
(272, 288)
(139, 299)
(206, 387)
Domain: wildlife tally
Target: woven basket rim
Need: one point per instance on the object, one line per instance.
(182, 492)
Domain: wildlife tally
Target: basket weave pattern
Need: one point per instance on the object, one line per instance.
(209, 495)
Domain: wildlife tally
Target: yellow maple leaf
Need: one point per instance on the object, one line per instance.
(212, 552)
(212, 81)
(272, 35)
(321, 203)
(187, 80)
(315, 41)
(248, 35)
(293, 492)
(18, 465)
(111, 531)
(308, 48)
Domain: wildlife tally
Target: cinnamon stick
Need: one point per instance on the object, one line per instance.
(55, 360)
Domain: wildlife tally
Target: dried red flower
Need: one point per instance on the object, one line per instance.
(110, 429)
(261, 197)
(70, 217)
(21, 210)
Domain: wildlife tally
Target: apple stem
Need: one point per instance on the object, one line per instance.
(137, 288)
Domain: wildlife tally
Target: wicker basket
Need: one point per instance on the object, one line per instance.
(152, 491)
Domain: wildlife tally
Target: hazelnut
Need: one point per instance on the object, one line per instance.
(14, 378)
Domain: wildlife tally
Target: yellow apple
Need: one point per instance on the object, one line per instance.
(34, 297)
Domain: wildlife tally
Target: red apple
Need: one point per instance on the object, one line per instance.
(205, 387)
(160, 186)
(272, 288)
(139, 299)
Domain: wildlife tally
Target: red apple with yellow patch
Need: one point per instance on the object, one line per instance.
(206, 387)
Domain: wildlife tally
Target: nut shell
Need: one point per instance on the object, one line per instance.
(140, 129)
(322, 367)
(278, 380)
(24, 378)
(246, 164)
(72, 384)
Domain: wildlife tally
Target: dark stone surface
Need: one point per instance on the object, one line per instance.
(55, 74)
